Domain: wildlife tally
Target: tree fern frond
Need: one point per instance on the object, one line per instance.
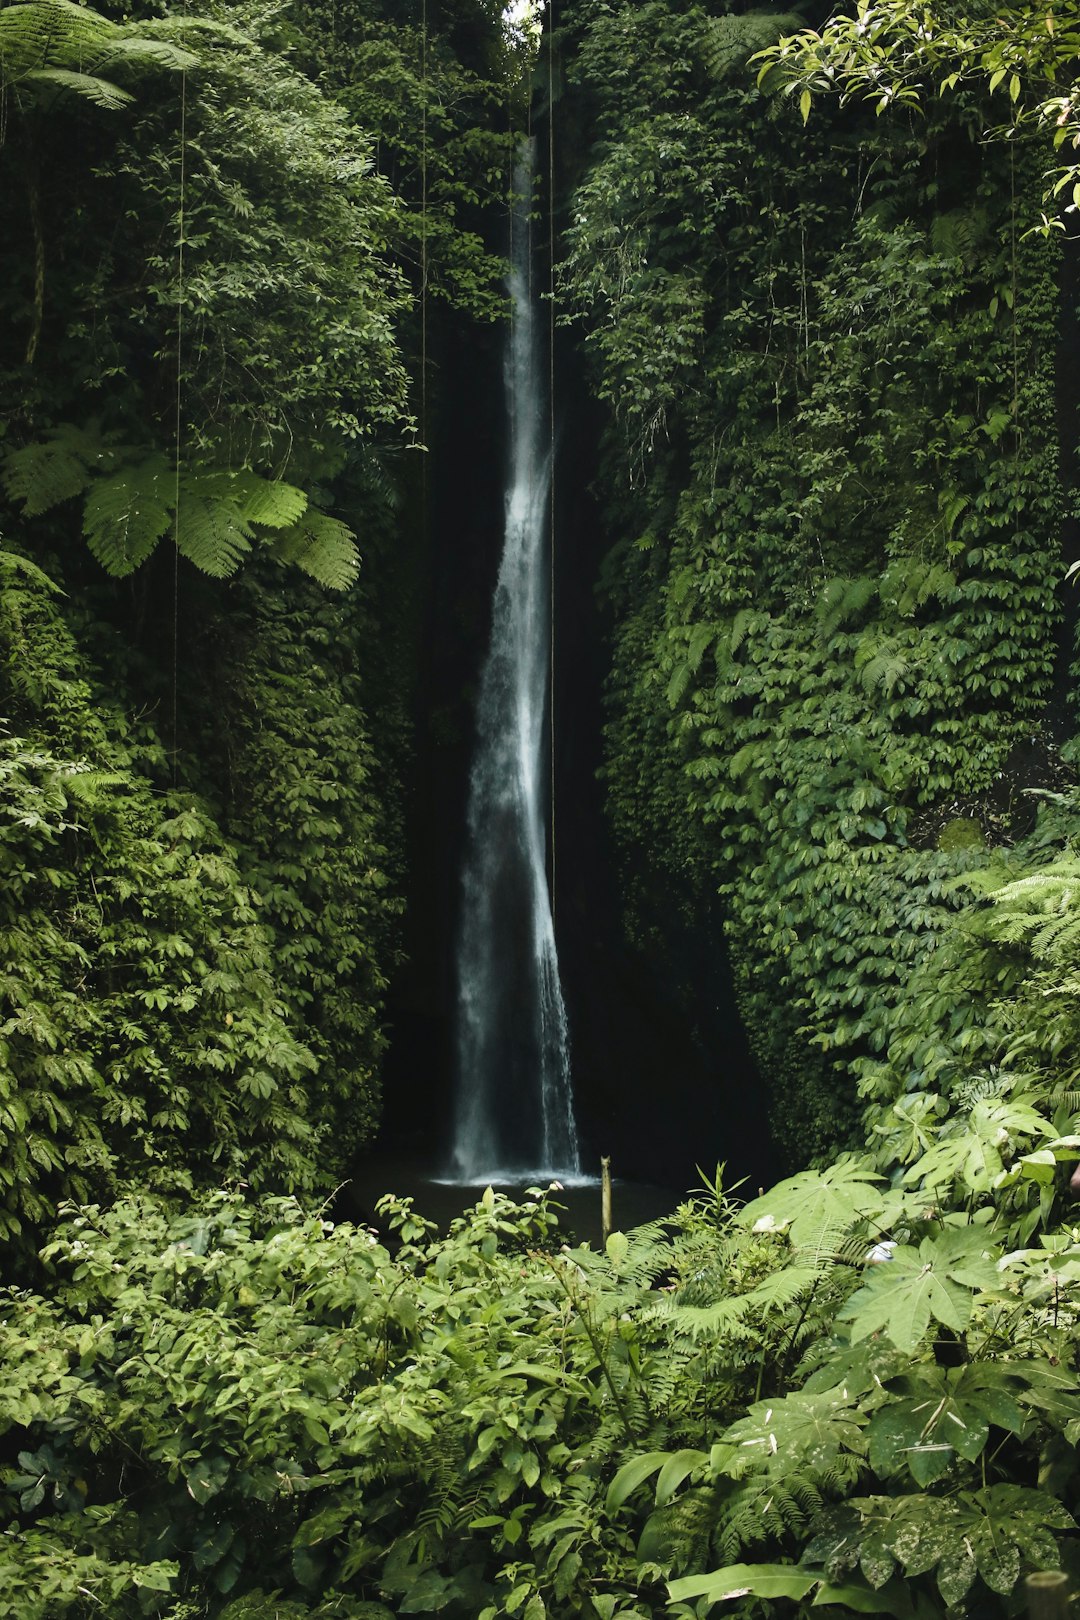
(269, 502)
(323, 547)
(728, 41)
(55, 469)
(127, 514)
(158, 53)
(102, 92)
(210, 532)
(50, 33)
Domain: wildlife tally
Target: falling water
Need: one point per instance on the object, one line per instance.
(514, 1113)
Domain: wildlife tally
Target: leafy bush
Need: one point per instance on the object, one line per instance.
(252, 1411)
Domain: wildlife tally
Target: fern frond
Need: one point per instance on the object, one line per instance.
(55, 469)
(13, 562)
(127, 514)
(210, 531)
(962, 233)
(729, 40)
(50, 33)
(844, 599)
(88, 786)
(883, 671)
(323, 547)
(157, 53)
(269, 502)
(102, 92)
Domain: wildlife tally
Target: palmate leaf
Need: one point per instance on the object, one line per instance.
(800, 1431)
(817, 1205)
(936, 1281)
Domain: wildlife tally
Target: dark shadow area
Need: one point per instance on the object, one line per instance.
(663, 1077)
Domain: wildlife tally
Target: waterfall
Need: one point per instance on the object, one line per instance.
(514, 1106)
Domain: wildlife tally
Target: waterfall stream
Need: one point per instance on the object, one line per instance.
(514, 1107)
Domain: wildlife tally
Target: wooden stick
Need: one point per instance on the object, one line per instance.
(1048, 1594)
(605, 1199)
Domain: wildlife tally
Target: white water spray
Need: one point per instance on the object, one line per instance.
(514, 1115)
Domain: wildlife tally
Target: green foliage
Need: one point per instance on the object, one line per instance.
(212, 516)
(299, 768)
(144, 1034)
(886, 53)
(832, 482)
(48, 47)
(261, 1412)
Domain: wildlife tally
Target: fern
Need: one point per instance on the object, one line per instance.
(45, 474)
(134, 506)
(271, 504)
(842, 600)
(210, 532)
(90, 86)
(13, 563)
(962, 233)
(67, 46)
(321, 546)
(750, 1512)
(128, 513)
(884, 671)
(728, 40)
(45, 34)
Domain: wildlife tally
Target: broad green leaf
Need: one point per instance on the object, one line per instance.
(679, 1466)
(740, 1580)
(633, 1474)
(815, 1207)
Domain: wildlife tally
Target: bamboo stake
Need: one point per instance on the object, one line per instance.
(1048, 1595)
(605, 1199)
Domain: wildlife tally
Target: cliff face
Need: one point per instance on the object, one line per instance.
(832, 484)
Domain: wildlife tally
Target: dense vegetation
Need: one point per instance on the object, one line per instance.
(207, 321)
(830, 313)
(837, 483)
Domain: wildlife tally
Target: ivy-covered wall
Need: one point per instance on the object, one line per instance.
(833, 479)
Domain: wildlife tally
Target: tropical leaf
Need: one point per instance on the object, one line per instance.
(91, 87)
(43, 474)
(740, 1580)
(269, 502)
(127, 514)
(798, 1431)
(815, 1206)
(935, 1281)
(321, 546)
(210, 531)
